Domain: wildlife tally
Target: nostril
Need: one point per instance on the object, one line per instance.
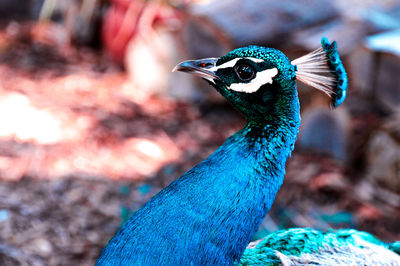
(205, 64)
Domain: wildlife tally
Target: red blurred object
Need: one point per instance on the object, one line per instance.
(119, 25)
(126, 18)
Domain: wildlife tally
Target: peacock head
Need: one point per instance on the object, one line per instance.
(260, 81)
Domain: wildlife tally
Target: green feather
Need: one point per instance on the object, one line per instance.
(297, 242)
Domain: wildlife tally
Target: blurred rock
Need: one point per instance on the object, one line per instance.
(383, 155)
(387, 83)
(362, 70)
(346, 33)
(41, 246)
(324, 131)
(364, 191)
(204, 39)
(19, 9)
(375, 67)
(382, 17)
(262, 21)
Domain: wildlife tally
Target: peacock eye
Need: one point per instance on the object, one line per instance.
(244, 72)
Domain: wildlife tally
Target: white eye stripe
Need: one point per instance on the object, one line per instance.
(261, 78)
(232, 63)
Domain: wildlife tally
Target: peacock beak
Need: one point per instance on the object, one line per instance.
(204, 68)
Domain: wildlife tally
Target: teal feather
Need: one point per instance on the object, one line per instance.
(302, 245)
(337, 68)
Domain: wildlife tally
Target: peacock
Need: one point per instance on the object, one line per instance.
(209, 215)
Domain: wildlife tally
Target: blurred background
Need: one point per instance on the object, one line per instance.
(93, 123)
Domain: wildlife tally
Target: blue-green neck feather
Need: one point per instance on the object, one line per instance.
(209, 215)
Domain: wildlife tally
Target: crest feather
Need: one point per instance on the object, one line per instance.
(313, 69)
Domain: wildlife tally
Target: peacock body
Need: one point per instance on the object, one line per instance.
(209, 215)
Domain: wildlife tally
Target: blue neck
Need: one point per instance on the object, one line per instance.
(209, 215)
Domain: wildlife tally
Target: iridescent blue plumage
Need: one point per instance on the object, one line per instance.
(208, 215)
